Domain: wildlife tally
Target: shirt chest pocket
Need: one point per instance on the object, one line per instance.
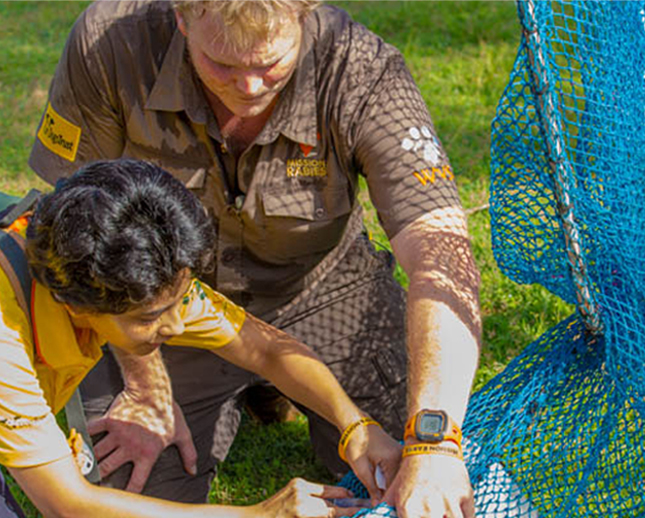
(305, 221)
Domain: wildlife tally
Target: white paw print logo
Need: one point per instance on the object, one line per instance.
(423, 142)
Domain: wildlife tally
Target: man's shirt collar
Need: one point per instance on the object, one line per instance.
(295, 115)
(177, 88)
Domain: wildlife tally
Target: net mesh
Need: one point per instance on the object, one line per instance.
(559, 433)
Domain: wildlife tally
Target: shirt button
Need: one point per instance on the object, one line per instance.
(320, 212)
(239, 201)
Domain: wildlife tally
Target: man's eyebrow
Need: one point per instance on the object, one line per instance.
(272, 62)
(221, 60)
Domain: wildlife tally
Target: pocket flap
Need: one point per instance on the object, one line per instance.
(191, 178)
(307, 204)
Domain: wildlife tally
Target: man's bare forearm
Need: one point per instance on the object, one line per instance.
(443, 357)
(443, 319)
(58, 490)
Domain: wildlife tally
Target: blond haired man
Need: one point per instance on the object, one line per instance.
(271, 111)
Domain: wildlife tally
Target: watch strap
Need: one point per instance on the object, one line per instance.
(432, 449)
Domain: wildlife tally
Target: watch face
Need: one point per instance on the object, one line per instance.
(430, 424)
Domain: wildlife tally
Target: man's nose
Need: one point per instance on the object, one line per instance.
(249, 83)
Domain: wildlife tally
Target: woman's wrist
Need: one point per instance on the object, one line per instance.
(350, 431)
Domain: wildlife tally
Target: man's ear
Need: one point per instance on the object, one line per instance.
(181, 22)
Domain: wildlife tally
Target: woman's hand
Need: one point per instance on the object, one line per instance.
(303, 499)
(369, 447)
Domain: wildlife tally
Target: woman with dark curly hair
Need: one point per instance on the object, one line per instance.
(113, 255)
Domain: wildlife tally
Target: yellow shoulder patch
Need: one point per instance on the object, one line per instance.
(59, 135)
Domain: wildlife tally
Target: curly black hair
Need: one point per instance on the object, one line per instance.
(116, 234)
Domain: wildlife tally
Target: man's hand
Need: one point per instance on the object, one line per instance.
(432, 486)
(138, 430)
(368, 448)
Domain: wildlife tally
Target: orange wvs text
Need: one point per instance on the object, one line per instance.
(431, 174)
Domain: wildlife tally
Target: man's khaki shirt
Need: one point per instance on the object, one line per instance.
(287, 211)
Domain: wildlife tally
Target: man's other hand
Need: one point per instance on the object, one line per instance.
(431, 486)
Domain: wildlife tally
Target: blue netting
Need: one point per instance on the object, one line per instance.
(559, 433)
(563, 422)
(555, 434)
(351, 482)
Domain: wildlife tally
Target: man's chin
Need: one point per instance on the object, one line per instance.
(246, 112)
(250, 108)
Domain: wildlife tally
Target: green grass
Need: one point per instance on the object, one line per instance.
(263, 459)
(460, 53)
